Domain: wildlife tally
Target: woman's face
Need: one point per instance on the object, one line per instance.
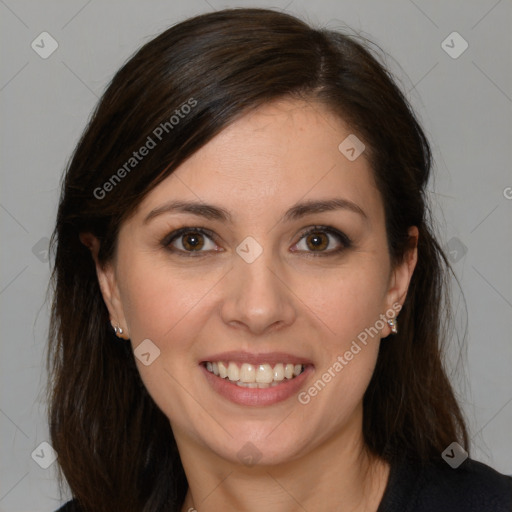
(244, 289)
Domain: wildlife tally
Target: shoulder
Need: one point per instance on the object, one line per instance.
(471, 487)
(70, 506)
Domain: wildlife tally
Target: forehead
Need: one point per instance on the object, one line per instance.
(281, 153)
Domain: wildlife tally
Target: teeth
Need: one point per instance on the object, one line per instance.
(247, 373)
(278, 372)
(259, 385)
(223, 371)
(264, 374)
(233, 372)
(254, 376)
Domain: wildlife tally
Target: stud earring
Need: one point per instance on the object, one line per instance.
(392, 323)
(117, 330)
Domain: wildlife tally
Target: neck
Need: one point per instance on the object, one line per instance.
(339, 474)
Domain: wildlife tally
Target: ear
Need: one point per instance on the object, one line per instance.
(108, 284)
(401, 276)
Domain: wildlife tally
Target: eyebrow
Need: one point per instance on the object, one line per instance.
(297, 211)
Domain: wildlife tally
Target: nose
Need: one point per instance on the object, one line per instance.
(257, 297)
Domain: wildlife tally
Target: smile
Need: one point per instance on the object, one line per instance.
(255, 375)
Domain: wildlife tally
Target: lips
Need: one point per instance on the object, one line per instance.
(256, 379)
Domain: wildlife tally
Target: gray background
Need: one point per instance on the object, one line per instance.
(465, 106)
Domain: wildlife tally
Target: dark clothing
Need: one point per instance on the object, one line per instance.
(472, 487)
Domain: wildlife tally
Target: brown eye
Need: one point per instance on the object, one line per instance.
(192, 241)
(188, 241)
(317, 241)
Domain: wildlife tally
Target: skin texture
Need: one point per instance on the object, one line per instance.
(287, 300)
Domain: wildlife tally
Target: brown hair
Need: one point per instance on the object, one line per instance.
(115, 446)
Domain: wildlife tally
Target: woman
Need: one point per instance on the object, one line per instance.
(248, 293)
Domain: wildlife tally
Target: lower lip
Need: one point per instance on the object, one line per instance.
(256, 396)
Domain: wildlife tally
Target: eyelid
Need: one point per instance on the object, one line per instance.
(175, 234)
(344, 240)
(327, 229)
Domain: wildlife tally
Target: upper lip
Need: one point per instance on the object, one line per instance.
(271, 358)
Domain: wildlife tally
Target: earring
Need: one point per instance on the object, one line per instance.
(392, 323)
(118, 330)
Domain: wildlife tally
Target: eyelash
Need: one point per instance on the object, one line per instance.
(171, 237)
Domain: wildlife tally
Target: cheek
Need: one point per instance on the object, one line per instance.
(170, 308)
(160, 301)
(351, 301)
(350, 347)
(349, 308)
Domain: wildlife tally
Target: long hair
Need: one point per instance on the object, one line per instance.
(115, 447)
